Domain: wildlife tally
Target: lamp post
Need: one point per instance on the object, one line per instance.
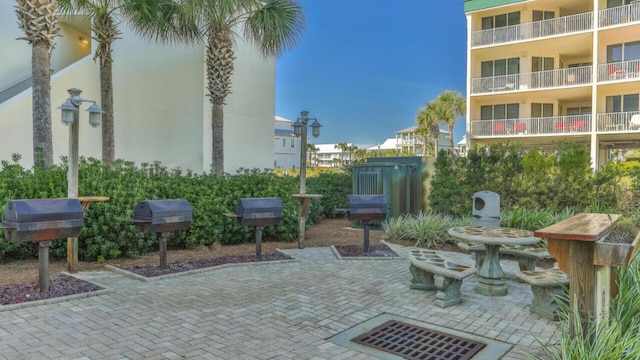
(300, 129)
(70, 110)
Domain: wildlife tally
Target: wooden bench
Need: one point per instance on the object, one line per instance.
(548, 287)
(433, 272)
(527, 256)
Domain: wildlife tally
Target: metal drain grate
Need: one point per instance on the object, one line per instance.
(414, 342)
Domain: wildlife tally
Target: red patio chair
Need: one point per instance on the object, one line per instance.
(519, 127)
(579, 125)
(562, 127)
(499, 128)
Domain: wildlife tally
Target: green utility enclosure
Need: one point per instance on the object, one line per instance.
(401, 179)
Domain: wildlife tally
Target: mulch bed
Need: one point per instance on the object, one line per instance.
(59, 285)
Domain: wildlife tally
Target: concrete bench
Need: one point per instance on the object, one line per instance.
(548, 286)
(527, 256)
(433, 272)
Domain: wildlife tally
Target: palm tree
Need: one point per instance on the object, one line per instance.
(428, 127)
(38, 21)
(105, 32)
(274, 26)
(452, 105)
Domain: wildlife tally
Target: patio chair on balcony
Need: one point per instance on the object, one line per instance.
(634, 123)
(614, 73)
(499, 129)
(520, 128)
(507, 86)
(579, 125)
(562, 127)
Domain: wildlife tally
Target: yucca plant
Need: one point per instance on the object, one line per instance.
(427, 229)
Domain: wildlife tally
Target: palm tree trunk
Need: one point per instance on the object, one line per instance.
(217, 138)
(451, 139)
(41, 104)
(106, 99)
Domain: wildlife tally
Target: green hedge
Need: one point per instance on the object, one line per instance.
(550, 180)
(107, 232)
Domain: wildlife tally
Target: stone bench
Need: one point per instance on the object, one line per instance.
(527, 256)
(432, 272)
(548, 287)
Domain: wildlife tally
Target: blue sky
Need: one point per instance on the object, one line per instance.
(365, 67)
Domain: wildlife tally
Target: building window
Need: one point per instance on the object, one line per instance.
(623, 103)
(501, 20)
(582, 110)
(500, 111)
(541, 110)
(284, 142)
(293, 143)
(615, 3)
(623, 52)
(542, 15)
(500, 67)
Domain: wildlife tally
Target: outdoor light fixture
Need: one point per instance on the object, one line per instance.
(70, 108)
(83, 40)
(301, 123)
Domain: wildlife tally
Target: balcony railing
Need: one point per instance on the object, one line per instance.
(619, 15)
(533, 30)
(573, 124)
(619, 71)
(620, 121)
(535, 80)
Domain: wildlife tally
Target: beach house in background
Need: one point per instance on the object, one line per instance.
(161, 108)
(542, 72)
(286, 145)
(408, 142)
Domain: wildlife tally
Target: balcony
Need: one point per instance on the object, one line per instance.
(536, 80)
(533, 30)
(619, 15)
(623, 70)
(556, 125)
(620, 121)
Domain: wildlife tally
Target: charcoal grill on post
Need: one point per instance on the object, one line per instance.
(162, 217)
(367, 208)
(42, 220)
(258, 212)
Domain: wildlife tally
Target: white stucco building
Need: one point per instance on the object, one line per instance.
(160, 106)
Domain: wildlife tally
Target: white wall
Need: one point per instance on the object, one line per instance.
(161, 112)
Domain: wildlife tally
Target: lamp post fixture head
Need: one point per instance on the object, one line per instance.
(72, 105)
(315, 128)
(303, 121)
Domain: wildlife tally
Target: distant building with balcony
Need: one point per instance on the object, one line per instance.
(541, 72)
(408, 142)
(286, 147)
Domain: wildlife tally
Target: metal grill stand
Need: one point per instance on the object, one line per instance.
(367, 208)
(258, 212)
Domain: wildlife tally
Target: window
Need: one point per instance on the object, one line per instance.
(500, 67)
(293, 143)
(541, 64)
(501, 20)
(541, 110)
(582, 110)
(284, 142)
(542, 15)
(500, 111)
(623, 103)
(614, 3)
(623, 52)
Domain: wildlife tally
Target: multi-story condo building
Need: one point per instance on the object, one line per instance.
(544, 71)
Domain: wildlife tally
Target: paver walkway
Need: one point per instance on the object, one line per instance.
(258, 311)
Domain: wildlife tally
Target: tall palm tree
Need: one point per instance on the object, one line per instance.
(38, 21)
(105, 32)
(452, 105)
(274, 26)
(428, 127)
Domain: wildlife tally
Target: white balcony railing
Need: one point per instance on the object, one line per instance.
(620, 121)
(619, 71)
(535, 80)
(619, 15)
(573, 124)
(533, 30)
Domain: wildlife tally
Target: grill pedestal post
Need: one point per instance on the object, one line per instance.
(164, 237)
(365, 225)
(259, 241)
(43, 265)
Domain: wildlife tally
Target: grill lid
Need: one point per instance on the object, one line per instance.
(366, 201)
(163, 211)
(267, 207)
(39, 210)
